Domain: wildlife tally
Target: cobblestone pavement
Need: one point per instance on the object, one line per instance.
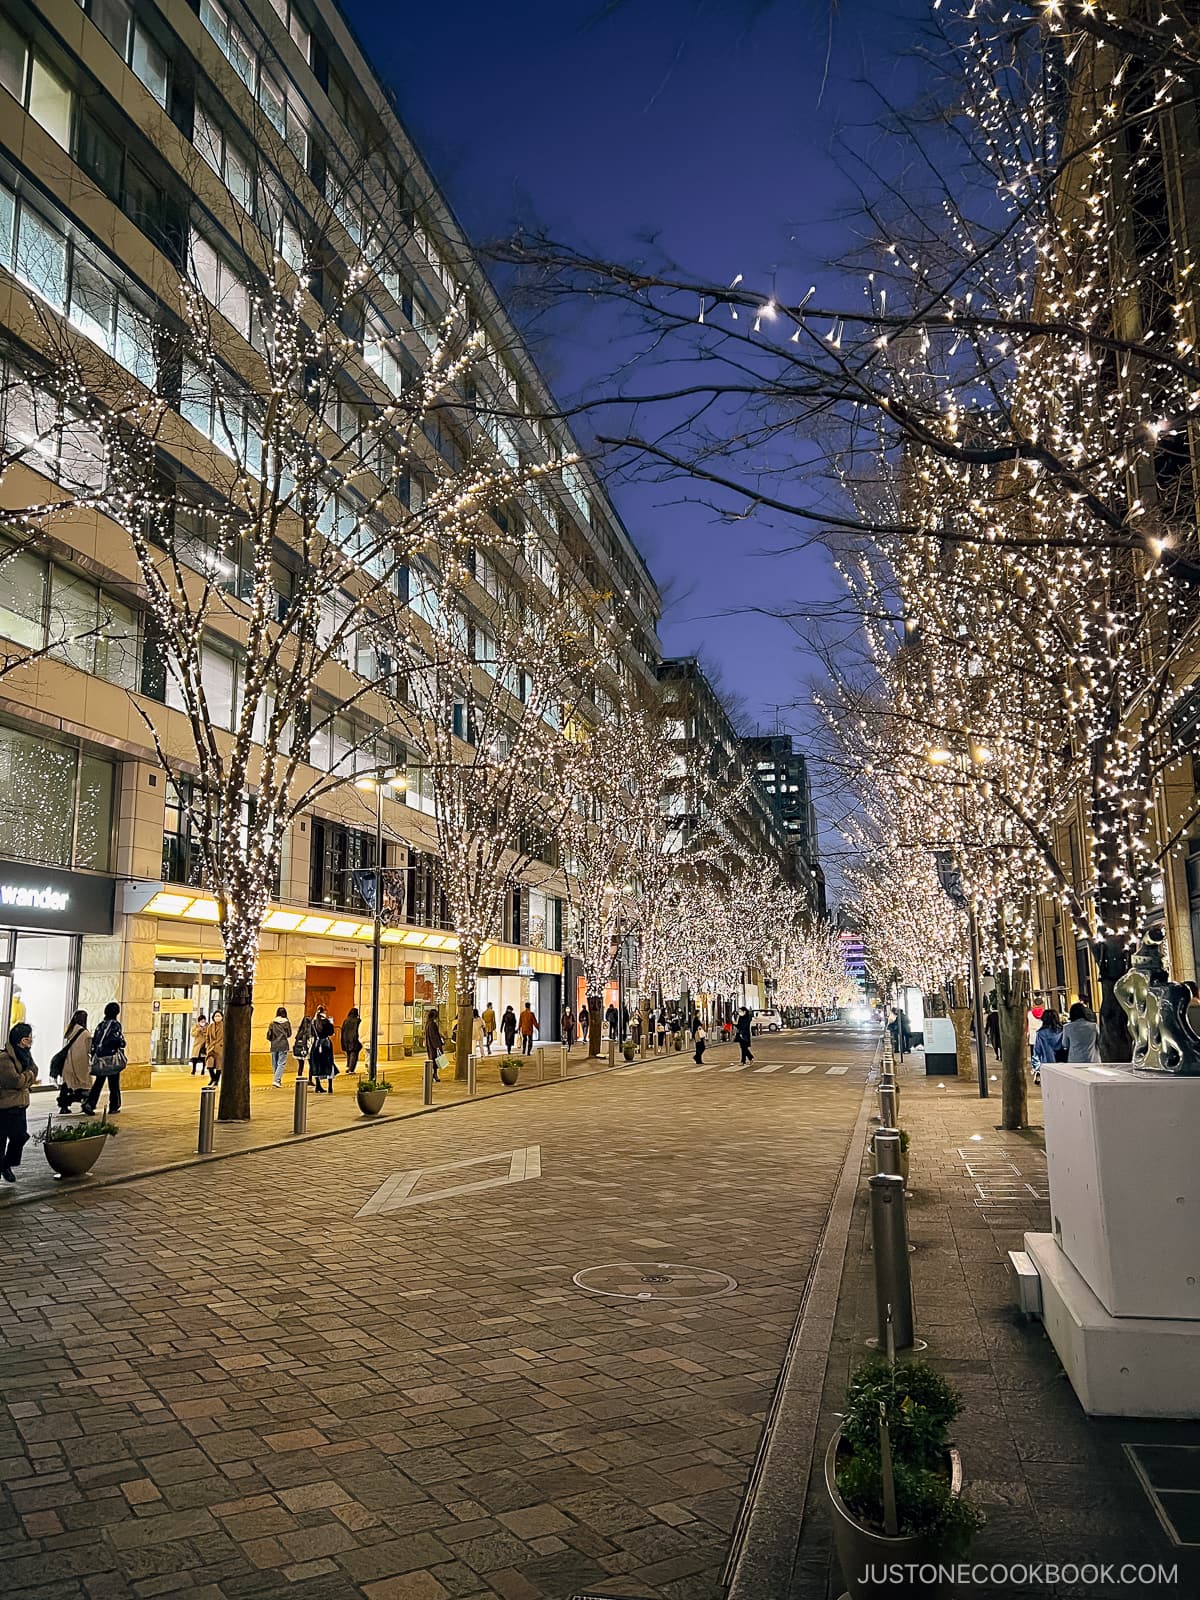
(1055, 1485)
(222, 1381)
(159, 1126)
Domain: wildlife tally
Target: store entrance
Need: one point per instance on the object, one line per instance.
(184, 987)
(38, 984)
(331, 987)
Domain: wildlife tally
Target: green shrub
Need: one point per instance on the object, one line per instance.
(628, 1050)
(903, 1132)
(919, 1406)
(375, 1086)
(510, 1061)
(68, 1132)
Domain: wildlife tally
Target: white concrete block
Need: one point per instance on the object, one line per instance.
(1123, 1154)
(1118, 1366)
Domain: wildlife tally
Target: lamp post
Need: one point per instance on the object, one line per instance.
(390, 778)
(978, 755)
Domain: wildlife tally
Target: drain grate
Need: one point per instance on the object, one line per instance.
(1170, 1475)
(653, 1280)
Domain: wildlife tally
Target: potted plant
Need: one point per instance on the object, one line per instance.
(510, 1070)
(895, 1483)
(372, 1095)
(627, 1049)
(73, 1148)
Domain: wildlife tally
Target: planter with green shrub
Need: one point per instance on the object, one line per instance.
(895, 1482)
(73, 1148)
(628, 1049)
(510, 1070)
(372, 1096)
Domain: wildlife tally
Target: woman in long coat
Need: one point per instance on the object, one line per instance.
(433, 1040)
(320, 1063)
(77, 1066)
(214, 1046)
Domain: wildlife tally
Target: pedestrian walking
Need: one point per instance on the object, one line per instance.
(489, 1026)
(991, 1026)
(1081, 1034)
(612, 1017)
(199, 1028)
(476, 1033)
(508, 1027)
(279, 1031)
(527, 1026)
(214, 1046)
(108, 1061)
(434, 1046)
(305, 1034)
(1048, 1042)
(585, 1024)
(18, 1073)
(661, 1027)
(567, 1023)
(699, 1039)
(742, 1035)
(71, 1063)
(320, 1061)
(351, 1043)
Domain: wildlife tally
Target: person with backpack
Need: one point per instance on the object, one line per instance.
(351, 1043)
(279, 1031)
(305, 1034)
(108, 1062)
(71, 1063)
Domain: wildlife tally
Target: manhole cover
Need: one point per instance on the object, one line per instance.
(654, 1280)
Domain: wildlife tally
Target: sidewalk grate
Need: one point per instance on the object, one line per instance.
(654, 1280)
(1170, 1475)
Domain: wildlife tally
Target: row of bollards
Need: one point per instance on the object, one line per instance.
(894, 1321)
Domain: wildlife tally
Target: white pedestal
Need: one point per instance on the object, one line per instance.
(1123, 1151)
(941, 1048)
(1118, 1366)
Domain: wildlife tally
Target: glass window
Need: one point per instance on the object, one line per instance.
(50, 102)
(134, 347)
(117, 653)
(150, 64)
(93, 842)
(73, 619)
(112, 18)
(99, 154)
(217, 676)
(43, 988)
(8, 224)
(41, 260)
(13, 54)
(37, 798)
(93, 303)
(22, 593)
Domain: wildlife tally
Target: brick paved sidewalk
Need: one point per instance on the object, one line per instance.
(159, 1126)
(1055, 1484)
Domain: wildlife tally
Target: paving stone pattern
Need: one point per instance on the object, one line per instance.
(1055, 1484)
(217, 1382)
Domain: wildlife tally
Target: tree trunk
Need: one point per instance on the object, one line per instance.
(961, 1018)
(1112, 958)
(465, 1019)
(595, 1023)
(233, 1104)
(1012, 1003)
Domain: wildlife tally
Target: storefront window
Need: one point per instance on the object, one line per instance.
(56, 805)
(43, 987)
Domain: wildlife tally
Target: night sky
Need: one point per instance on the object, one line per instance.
(705, 124)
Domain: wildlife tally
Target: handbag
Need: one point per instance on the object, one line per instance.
(58, 1061)
(441, 1062)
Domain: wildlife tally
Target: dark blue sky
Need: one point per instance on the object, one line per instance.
(705, 124)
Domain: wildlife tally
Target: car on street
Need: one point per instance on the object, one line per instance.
(767, 1022)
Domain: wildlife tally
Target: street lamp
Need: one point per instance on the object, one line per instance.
(979, 755)
(396, 779)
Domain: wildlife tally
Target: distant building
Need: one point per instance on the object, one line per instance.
(783, 773)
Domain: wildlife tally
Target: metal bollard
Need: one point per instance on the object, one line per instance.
(471, 1074)
(562, 1061)
(887, 1105)
(893, 1283)
(427, 1093)
(612, 1052)
(300, 1106)
(887, 1150)
(208, 1117)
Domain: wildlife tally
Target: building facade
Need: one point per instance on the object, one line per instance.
(783, 772)
(141, 144)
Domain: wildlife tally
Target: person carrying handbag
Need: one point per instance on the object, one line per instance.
(108, 1062)
(434, 1047)
(304, 1042)
(71, 1064)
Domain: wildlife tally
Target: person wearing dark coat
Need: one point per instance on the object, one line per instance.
(351, 1043)
(508, 1027)
(434, 1043)
(305, 1034)
(613, 1018)
(741, 1033)
(108, 1061)
(991, 1026)
(320, 1063)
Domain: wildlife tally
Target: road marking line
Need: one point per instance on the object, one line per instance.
(778, 1068)
(708, 1066)
(738, 1066)
(835, 1072)
(811, 1067)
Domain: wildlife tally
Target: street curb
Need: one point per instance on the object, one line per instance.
(286, 1142)
(767, 1533)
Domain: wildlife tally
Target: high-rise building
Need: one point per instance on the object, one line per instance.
(142, 144)
(783, 772)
